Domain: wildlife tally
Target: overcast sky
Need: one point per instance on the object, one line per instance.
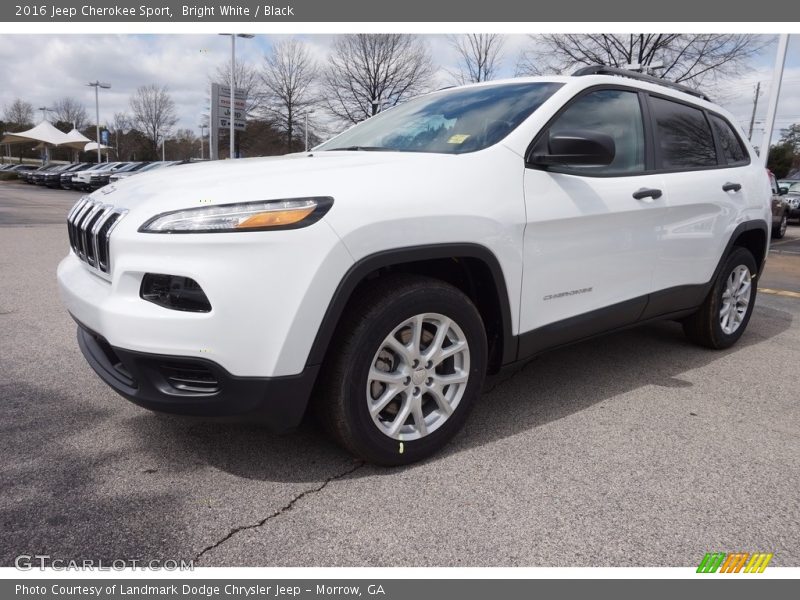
(41, 69)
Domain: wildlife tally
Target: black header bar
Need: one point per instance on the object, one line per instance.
(418, 11)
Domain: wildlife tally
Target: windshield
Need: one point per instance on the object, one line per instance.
(451, 122)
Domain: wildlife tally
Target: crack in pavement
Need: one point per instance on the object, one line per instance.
(278, 512)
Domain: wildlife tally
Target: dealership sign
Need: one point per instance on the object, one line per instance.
(221, 107)
(222, 113)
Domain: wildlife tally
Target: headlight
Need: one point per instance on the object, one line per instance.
(243, 216)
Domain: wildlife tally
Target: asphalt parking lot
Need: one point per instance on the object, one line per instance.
(637, 449)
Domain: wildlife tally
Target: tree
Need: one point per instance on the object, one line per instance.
(479, 56)
(18, 114)
(369, 71)
(780, 159)
(791, 137)
(153, 113)
(69, 110)
(289, 75)
(246, 78)
(684, 58)
(184, 145)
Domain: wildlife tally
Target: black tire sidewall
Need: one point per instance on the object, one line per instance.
(367, 439)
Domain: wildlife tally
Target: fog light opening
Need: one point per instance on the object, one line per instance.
(174, 292)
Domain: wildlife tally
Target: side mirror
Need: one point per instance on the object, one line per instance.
(571, 148)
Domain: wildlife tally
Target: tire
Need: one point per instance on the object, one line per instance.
(779, 231)
(708, 327)
(352, 387)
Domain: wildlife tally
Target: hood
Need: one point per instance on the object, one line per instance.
(329, 173)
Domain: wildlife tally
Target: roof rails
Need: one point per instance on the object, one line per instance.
(605, 70)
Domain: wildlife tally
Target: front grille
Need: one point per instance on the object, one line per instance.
(89, 225)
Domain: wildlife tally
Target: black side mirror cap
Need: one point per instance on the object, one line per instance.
(577, 148)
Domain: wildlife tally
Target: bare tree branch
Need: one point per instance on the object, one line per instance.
(368, 71)
(480, 56)
(18, 114)
(289, 75)
(153, 113)
(693, 59)
(69, 110)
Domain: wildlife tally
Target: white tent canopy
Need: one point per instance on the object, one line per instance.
(92, 147)
(76, 140)
(44, 132)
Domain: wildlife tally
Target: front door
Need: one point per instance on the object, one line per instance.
(591, 235)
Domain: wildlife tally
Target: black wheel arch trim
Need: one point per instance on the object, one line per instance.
(751, 225)
(388, 258)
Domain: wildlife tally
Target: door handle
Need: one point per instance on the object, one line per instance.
(731, 187)
(647, 193)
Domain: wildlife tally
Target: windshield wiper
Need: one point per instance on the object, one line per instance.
(363, 148)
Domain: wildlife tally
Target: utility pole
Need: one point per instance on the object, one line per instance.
(753, 116)
(774, 94)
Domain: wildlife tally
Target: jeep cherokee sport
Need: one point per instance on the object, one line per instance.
(384, 273)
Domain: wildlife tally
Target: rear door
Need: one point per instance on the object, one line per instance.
(707, 179)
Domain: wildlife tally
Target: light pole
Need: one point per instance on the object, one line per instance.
(305, 133)
(246, 36)
(97, 85)
(45, 110)
(202, 135)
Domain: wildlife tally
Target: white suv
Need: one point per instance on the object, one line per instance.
(384, 273)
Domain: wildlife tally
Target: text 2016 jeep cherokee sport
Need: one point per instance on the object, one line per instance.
(388, 270)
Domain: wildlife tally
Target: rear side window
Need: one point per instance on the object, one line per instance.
(732, 148)
(683, 134)
(616, 113)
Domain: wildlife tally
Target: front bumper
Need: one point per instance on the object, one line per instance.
(198, 387)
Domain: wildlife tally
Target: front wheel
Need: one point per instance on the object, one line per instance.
(725, 313)
(406, 365)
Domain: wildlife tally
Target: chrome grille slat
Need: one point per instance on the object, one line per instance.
(89, 225)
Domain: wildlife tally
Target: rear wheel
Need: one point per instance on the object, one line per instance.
(779, 231)
(725, 313)
(408, 363)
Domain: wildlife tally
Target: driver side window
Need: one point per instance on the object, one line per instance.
(616, 113)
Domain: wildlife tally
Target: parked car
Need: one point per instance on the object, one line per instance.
(82, 180)
(790, 185)
(39, 177)
(119, 175)
(19, 169)
(102, 178)
(793, 202)
(66, 178)
(28, 175)
(52, 179)
(780, 208)
(384, 273)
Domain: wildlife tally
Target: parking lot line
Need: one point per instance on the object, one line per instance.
(786, 293)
